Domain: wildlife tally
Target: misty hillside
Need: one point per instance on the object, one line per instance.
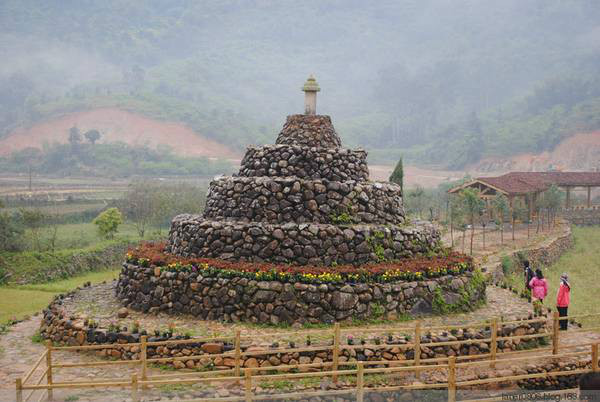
(440, 81)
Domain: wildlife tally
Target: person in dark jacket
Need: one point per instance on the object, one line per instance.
(528, 273)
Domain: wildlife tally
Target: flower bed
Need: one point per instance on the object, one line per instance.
(410, 269)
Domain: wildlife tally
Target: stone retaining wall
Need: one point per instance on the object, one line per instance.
(393, 346)
(289, 199)
(336, 164)
(542, 255)
(582, 216)
(301, 244)
(241, 299)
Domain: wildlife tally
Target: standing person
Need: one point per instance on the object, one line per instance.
(539, 290)
(528, 274)
(563, 299)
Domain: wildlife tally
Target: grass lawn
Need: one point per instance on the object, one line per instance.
(78, 235)
(20, 301)
(71, 239)
(582, 264)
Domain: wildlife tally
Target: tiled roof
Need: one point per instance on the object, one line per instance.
(527, 182)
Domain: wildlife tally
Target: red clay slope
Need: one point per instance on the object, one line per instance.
(580, 151)
(117, 125)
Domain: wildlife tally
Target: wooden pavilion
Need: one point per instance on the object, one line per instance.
(527, 186)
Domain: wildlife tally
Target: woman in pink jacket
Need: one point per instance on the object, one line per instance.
(539, 290)
(563, 299)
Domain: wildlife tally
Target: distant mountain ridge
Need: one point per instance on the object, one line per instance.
(438, 81)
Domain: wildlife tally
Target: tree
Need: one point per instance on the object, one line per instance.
(501, 209)
(108, 222)
(415, 198)
(553, 200)
(140, 203)
(398, 175)
(74, 138)
(518, 213)
(457, 219)
(34, 220)
(472, 205)
(11, 232)
(29, 157)
(92, 136)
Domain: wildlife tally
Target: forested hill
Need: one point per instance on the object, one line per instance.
(440, 81)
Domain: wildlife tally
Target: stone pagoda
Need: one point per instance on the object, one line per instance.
(303, 201)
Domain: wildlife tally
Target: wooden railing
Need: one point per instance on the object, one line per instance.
(248, 375)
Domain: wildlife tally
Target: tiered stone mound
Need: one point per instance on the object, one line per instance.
(298, 243)
(302, 201)
(290, 199)
(336, 164)
(309, 131)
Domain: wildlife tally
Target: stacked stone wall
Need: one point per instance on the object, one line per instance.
(336, 164)
(289, 199)
(73, 330)
(309, 131)
(301, 244)
(274, 302)
(539, 256)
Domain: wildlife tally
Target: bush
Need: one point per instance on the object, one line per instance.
(507, 264)
(108, 222)
(11, 232)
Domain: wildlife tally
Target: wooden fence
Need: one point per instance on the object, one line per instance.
(25, 389)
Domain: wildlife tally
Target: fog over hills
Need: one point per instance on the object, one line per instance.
(443, 82)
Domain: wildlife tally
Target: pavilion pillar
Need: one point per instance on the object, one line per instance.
(589, 197)
(568, 200)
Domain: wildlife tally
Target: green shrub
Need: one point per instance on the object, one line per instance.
(108, 222)
(507, 264)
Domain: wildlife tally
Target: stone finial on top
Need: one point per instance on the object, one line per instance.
(310, 88)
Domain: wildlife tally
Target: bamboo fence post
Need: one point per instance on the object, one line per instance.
(336, 350)
(417, 347)
(595, 357)
(238, 352)
(143, 357)
(494, 344)
(134, 388)
(248, 385)
(555, 332)
(49, 368)
(19, 384)
(360, 382)
(452, 379)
